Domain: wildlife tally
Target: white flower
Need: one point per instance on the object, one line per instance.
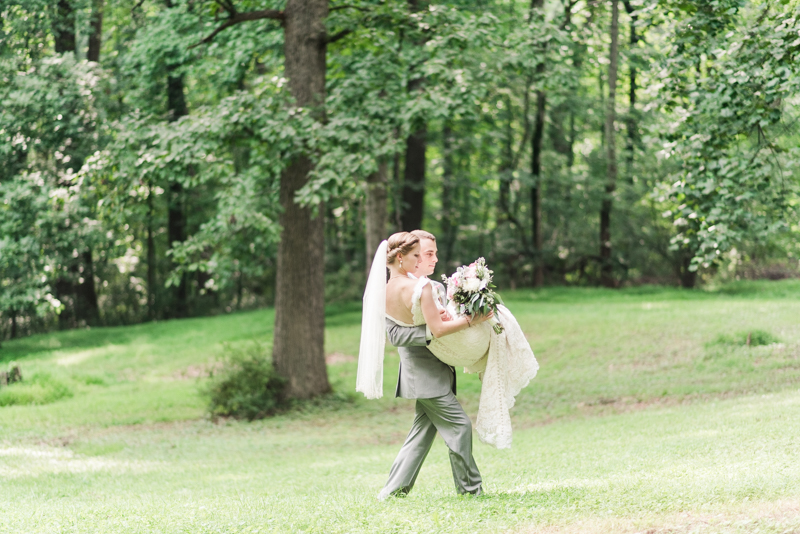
(472, 285)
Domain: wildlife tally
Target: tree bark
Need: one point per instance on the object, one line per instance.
(64, 27)
(96, 32)
(86, 295)
(606, 268)
(630, 147)
(449, 214)
(176, 214)
(14, 329)
(536, 168)
(151, 260)
(414, 181)
(88, 309)
(688, 278)
(376, 209)
(413, 205)
(298, 349)
(536, 190)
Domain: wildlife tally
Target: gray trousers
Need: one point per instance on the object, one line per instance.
(445, 415)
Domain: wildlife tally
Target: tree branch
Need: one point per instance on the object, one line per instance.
(243, 17)
(350, 6)
(340, 35)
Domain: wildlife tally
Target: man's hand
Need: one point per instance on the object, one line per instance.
(445, 316)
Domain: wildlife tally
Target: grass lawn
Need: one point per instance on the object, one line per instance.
(649, 414)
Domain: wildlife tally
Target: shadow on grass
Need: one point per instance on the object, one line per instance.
(150, 333)
(761, 289)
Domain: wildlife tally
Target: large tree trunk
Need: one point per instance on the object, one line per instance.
(176, 213)
(64, 27)
(414, 181)
(96, 32)
(376, 209)
(298, 350)
(606, 268)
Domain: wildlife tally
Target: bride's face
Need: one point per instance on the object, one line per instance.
(409, 261)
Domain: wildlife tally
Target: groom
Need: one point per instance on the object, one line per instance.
(433, 384)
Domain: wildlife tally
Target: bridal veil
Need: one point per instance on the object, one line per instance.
(369, 380)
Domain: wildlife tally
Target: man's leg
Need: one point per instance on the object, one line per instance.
(449, 418)
(413, 452)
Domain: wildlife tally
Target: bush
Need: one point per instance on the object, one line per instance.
(755, 337)
(40, 389)
(245, 385)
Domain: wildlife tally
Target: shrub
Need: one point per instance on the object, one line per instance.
(245, 385)
(41, 388)
(755, 337)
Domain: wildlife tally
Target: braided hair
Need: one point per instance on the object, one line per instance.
(400, 243)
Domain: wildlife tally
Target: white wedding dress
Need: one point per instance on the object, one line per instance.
(505, 360)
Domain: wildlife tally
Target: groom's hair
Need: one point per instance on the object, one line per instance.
(422, 234)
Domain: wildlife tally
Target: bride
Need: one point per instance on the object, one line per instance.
(505, 360)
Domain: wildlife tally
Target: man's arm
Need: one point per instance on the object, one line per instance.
(406, 336)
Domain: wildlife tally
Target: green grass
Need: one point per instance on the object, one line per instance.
(640, 418)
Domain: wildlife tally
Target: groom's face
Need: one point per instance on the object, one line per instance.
(428, 258)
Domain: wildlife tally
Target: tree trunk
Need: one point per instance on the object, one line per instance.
(414, 181)
(298, 350)
(64, 27)
(506, 164)
(688, 278)
(449, 214)
(96, 32)
(86, 307)
(176, 214)
(606, 268)
(413, 205)
(151, 260)
(376, 209)
(536, 190)
(14, 329)
(631, 119)
(537, 7)
(88, 310)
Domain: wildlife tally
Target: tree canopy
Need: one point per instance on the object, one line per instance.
(154, 153)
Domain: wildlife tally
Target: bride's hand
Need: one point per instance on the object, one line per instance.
(445, 316)
(478, 319)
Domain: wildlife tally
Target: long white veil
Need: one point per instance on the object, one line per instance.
(369, 380)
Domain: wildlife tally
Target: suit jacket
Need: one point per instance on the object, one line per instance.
(421, 375)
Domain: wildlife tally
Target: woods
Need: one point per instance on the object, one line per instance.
(184, 158)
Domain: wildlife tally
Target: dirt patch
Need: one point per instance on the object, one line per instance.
(198, 371)
(338, 357)
(779, 516)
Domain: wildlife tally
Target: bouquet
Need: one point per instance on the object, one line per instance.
(470, 288)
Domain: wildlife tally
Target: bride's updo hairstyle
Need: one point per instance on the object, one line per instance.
(400, 243)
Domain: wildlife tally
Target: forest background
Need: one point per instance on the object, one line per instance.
(165, 159)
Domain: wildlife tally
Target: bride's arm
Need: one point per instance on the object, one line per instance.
(434, 320)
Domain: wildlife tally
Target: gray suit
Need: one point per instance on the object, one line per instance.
(433, 384)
